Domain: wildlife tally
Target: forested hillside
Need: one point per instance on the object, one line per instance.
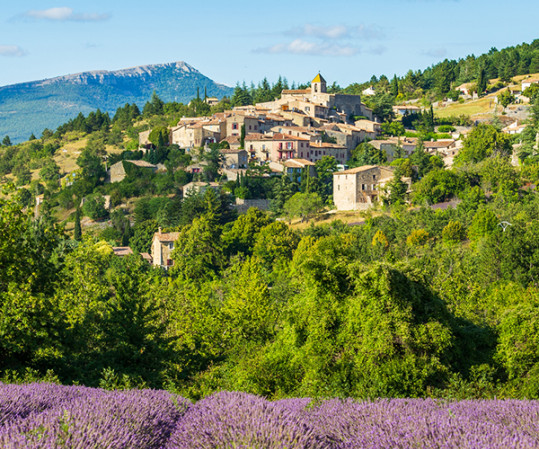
(439, 79)
(414, 298)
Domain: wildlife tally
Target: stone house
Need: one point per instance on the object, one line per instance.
(195, 187)
(406, 109)
(197, 134)
(294, 168)
(275, 147)
(235, 158)
(359, 188)
(320, 149)
(144, 140)
(237, 119)
(162, 247)
(528, 82)
(117, 172)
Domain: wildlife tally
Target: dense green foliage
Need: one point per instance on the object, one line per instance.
(413, 303)
(438, 80)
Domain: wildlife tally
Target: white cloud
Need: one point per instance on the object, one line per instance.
(303, 47)
(11, 50)
(64, 14)
(339, 31)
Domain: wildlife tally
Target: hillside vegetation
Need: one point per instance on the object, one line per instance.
(414, 302)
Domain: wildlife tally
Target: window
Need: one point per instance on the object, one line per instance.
(363, 187)
(234, 126)
(374, 177)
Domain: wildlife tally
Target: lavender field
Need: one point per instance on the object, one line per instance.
(53, 416)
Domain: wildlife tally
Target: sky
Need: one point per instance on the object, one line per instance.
(239, 40)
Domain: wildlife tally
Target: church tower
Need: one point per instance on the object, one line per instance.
(318, 85)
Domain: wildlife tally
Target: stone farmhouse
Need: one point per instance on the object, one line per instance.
(359, 188)
(162, 247)
(117, 172)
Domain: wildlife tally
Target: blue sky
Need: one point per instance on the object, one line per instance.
(348, 41)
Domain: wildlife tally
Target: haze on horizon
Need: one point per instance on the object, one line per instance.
(346, 41)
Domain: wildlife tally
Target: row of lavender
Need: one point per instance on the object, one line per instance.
(51, 416)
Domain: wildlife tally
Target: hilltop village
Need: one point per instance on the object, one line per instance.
(295, 131)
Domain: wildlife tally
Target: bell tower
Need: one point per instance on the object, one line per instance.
(318, 85)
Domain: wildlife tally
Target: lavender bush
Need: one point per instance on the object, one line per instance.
(51, 416)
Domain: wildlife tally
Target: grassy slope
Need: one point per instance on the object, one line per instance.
(482, 106)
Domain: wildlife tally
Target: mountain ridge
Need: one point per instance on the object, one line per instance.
(32, 106)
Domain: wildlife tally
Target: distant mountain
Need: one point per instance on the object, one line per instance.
(28, 108)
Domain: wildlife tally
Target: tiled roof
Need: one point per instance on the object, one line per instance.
(297, 91)
(297, 163)
(122, 250)
(256, 136)
(352, 171)
(166, 236)
(140, 163)
(438, 144)
(280, 136)
(327, 145)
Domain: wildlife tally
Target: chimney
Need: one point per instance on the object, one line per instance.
(159, 230)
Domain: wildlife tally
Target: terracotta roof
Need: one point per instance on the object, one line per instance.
(140, 163)
(303, 129)
(122, 250)
(281, 136)
(327, 145)
(232, 139)
(166, 236)
(275, 118)
(296, 91)
(297, 163)
(352, 171)
(438, 144)
(146, 256)
(230, 151)
(257, 136)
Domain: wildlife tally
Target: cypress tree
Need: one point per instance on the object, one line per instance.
(78, 230)
(395, 86)
(242, 137)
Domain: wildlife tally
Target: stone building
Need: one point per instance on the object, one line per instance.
(162, 247)
(117, 172)
(359, 188)
(234, 158)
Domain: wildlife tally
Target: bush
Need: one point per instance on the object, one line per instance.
(94, 207)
